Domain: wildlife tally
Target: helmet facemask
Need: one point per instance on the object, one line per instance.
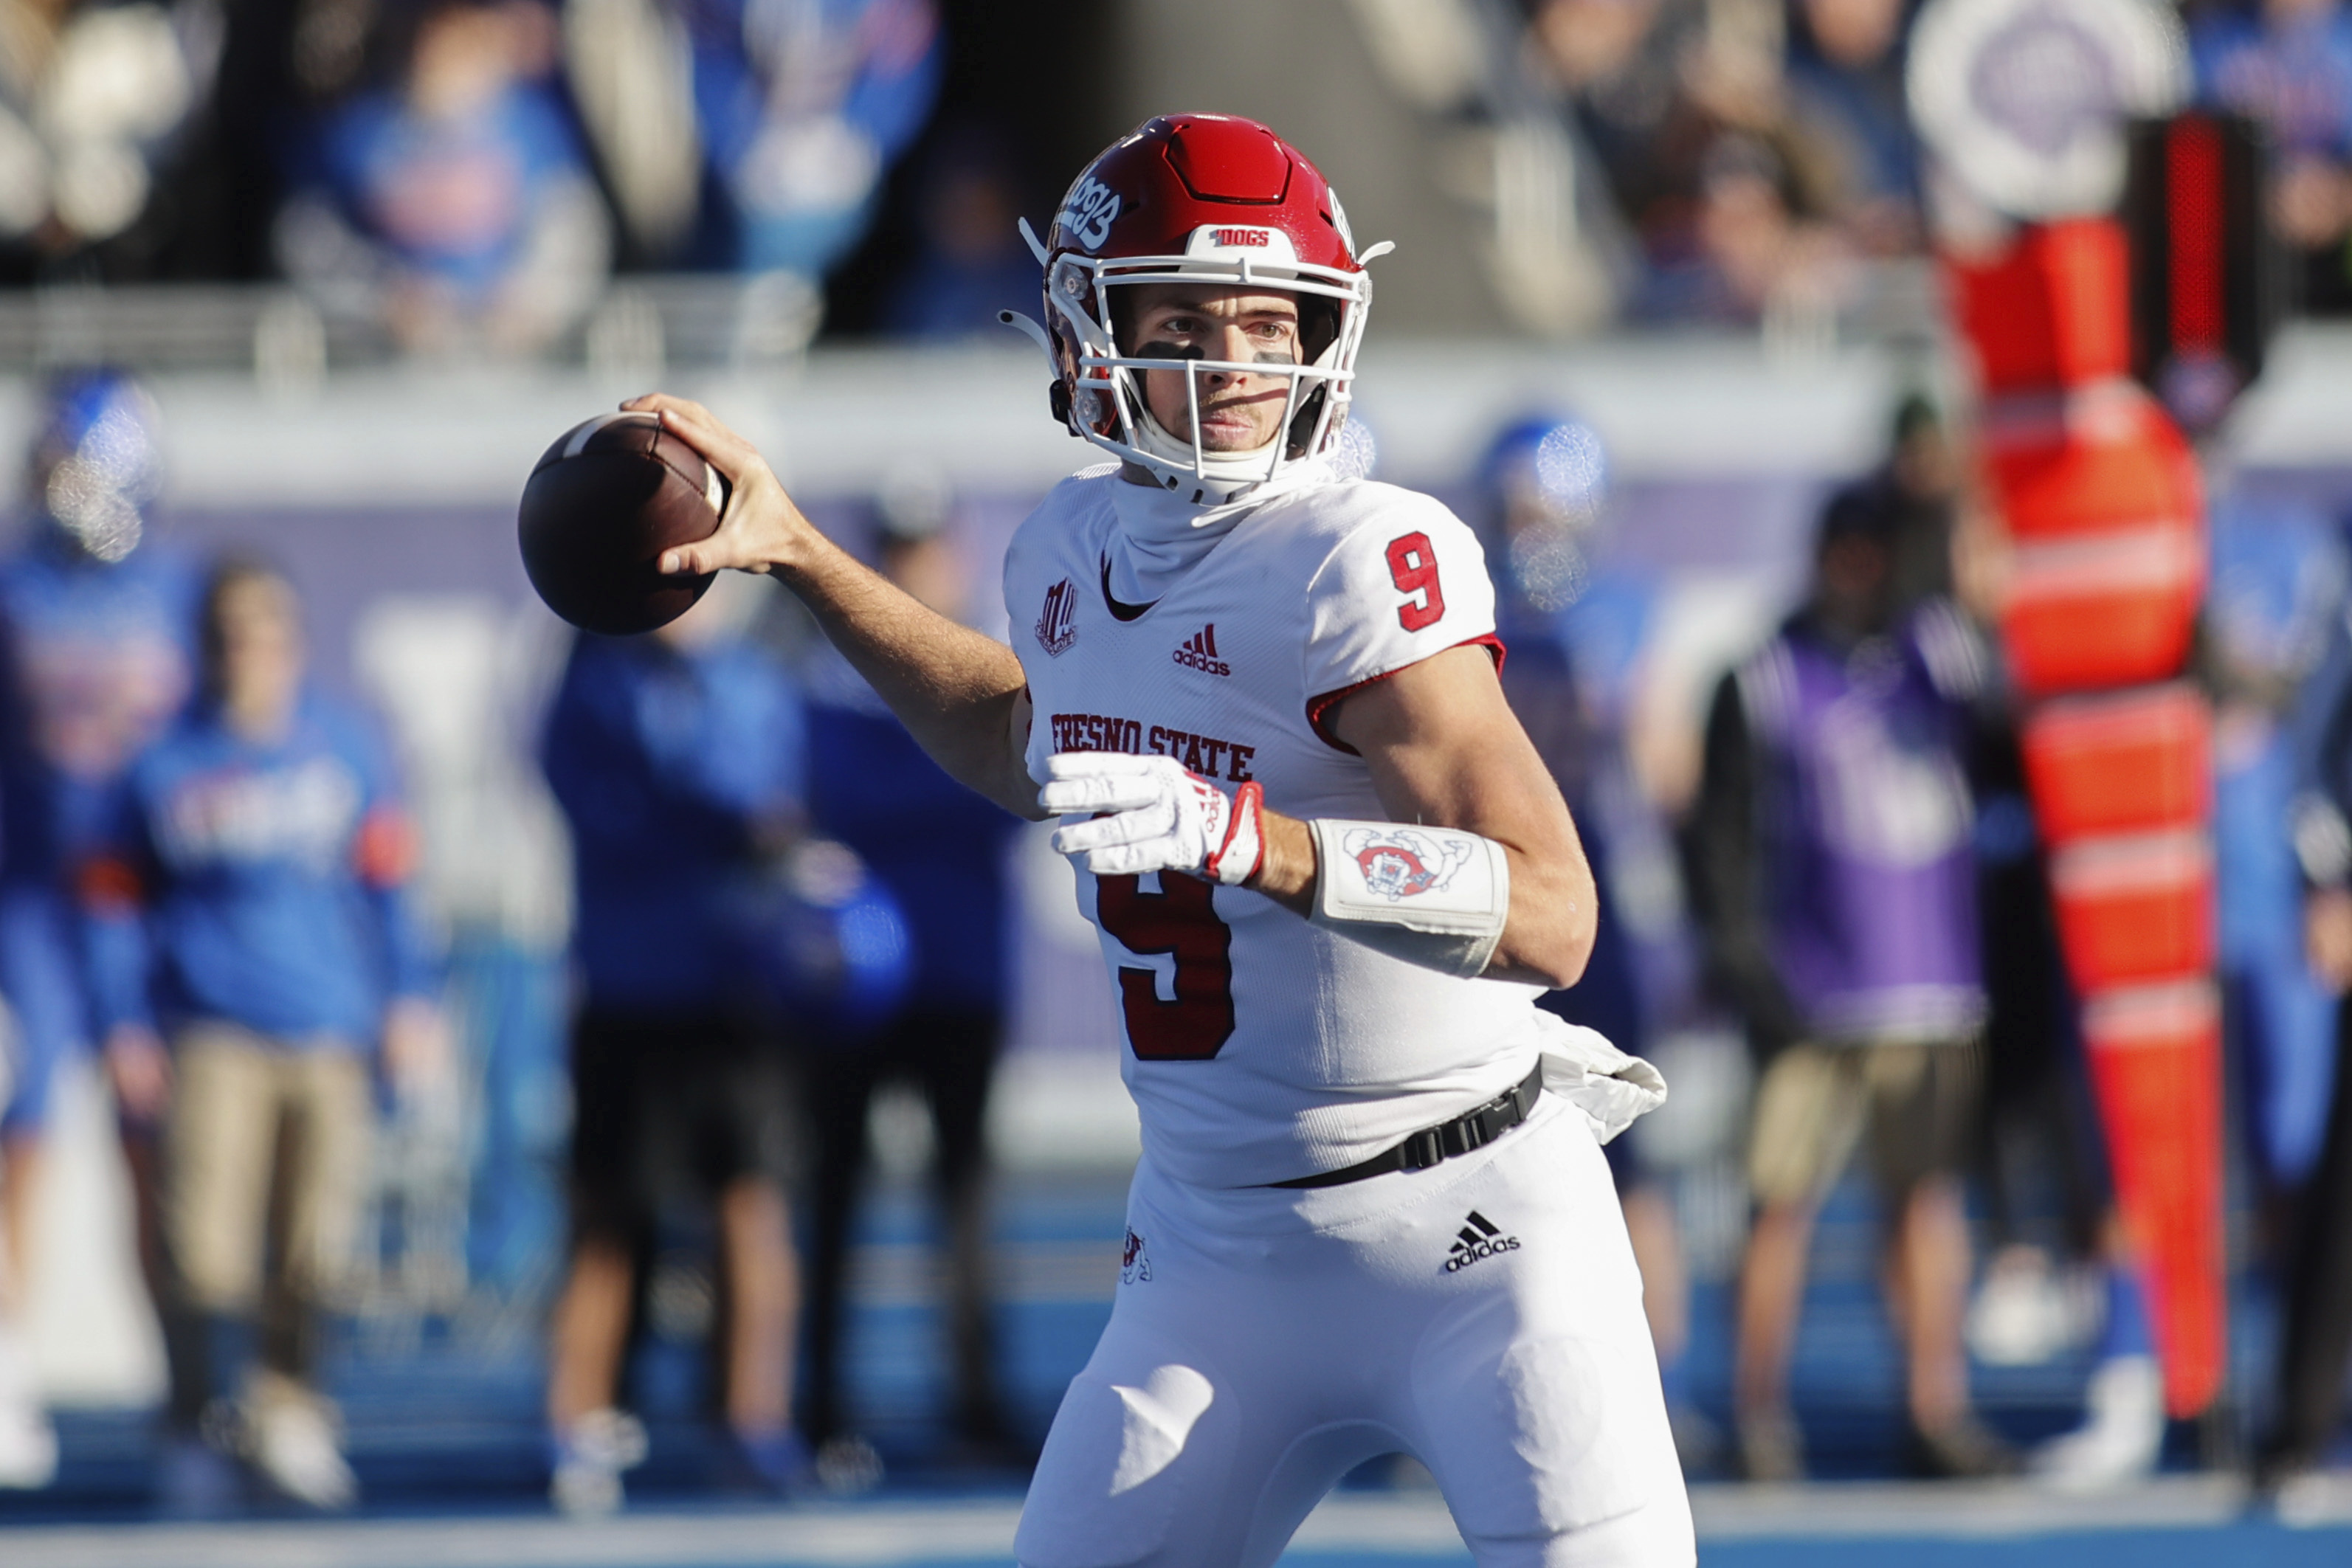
(1090, 299)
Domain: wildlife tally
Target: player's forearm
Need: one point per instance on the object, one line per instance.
(1548, 935)
(1549, 928)
(960, 693)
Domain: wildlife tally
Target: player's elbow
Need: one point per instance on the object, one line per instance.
(1558, 962)
(1550, 937)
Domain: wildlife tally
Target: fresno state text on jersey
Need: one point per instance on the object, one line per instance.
(1204, 754)
(1260, 1046)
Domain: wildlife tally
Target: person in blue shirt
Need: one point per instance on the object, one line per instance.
(2287, 64)
(454, 204)
(802, 107)
(972, 262)
(250, 946)
(941, 850)
(96, 651)
(2315, 1336)
(1543, 495)
(676, 760)
(1845, 90)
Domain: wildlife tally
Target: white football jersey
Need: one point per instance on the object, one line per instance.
(1261, 1048)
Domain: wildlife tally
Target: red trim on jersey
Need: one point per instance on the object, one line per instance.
(1317, 706)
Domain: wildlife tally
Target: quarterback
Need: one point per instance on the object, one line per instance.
(1330, 877)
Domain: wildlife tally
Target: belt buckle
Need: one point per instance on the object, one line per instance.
(1425, 1149)
(1471, 1130)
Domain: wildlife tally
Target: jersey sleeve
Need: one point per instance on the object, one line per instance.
(1407, 582)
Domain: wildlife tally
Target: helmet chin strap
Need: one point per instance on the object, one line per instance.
(1221, 475)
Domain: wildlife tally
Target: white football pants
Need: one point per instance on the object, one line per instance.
(1484, 1315)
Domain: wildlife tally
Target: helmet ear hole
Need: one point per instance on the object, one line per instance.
(1318, 326)
(1302, 424)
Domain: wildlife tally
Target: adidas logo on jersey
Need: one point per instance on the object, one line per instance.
(1201, 653)
(1477, 1240)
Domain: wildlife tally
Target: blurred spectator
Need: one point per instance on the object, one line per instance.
(1737, 176)
(941, 851)
(784, 114)
(454, 207)
(2278, 585)
(677, 758)
(94, 101)
(1544, 483)
(1829, 863)
(2316, 1344)
(972, 262)
(250, 906)
(462, 680)
(2288, 65)
(96, 631)
(1847, 92)
(1618, 64)
(1752, 243)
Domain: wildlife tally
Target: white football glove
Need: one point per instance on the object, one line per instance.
(1161, 817)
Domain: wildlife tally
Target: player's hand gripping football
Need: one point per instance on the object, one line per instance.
(1157, 816)
(761, 527)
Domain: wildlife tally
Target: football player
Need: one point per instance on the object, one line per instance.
(1332, 877)
(97, 657)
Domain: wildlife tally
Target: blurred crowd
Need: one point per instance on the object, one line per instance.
(1672, 162)
(467, 175)
(454, 172)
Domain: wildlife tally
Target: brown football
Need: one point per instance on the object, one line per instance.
(597, 513)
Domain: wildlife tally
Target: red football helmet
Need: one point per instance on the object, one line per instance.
(1200, 198)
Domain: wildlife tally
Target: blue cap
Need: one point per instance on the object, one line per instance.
(1557, 460)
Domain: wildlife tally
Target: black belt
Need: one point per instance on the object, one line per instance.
(1472, 1130)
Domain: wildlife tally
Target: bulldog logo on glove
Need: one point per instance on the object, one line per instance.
(1400, 863)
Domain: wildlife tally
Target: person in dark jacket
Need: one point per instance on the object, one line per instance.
(2316, 1344)
(941, 850)
(1544, 484)
(250, 907)
(1832, 868)
(676, 760)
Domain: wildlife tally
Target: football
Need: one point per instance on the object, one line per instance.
(608, 497)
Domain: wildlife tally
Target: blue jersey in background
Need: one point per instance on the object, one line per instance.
(260, 882)
(670, 763)
(99, 659)
(96, 659)
(937, 847)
